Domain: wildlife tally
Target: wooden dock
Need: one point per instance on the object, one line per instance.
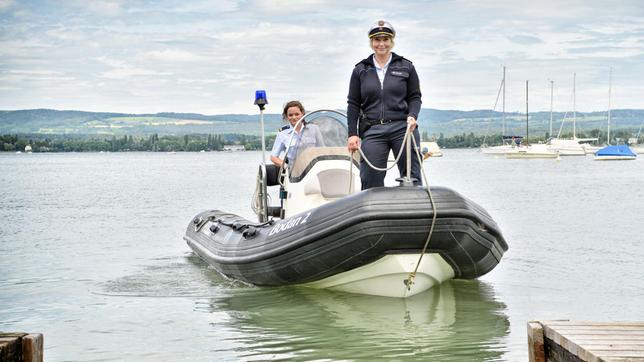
(21, 347)
(572, 341)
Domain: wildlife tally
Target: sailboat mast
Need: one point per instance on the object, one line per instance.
(527, 129)
(503, 112)
(552, 86)
(574, 105)
(610, 84)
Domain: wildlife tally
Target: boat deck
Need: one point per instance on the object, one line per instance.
(585, 341)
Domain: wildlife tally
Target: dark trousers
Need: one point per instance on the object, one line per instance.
(376, 143)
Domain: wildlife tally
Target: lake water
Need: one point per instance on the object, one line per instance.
(91, 255)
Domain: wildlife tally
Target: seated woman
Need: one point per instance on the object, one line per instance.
(306, 135)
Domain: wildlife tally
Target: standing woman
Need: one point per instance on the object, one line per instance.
(384, 97)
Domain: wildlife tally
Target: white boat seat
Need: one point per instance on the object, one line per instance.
(331, 184)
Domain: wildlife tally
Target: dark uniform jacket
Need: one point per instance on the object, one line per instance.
(398, 98)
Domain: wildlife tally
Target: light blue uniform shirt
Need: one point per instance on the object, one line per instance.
(309, 137)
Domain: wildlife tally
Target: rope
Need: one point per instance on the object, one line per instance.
(351, 171)
(410, 279)
(405, 139)
(412, 276)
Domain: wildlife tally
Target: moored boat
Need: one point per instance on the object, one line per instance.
(614, 153)
(617, 152)
(431, 149)
(388, 241)
(532, 151)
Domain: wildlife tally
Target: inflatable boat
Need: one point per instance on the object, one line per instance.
(326, 233)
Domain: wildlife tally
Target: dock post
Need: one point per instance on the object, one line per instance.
(21, 347)
(536, 352)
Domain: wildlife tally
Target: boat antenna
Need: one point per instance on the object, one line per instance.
(261, 101)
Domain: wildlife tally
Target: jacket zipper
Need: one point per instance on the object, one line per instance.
(382, 97)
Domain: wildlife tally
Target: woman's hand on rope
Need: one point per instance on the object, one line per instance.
(353, 143)
(411, 122)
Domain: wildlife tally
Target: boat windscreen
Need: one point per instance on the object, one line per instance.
(333, 129)
(320, 130)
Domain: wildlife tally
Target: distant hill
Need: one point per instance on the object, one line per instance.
(432, 121)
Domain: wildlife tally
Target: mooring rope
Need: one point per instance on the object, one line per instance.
(410, 279)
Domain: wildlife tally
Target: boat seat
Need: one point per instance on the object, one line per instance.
(331, 184)
(308, 157)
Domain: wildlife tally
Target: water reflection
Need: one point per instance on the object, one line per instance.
(458, 321)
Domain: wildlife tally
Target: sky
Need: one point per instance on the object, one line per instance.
(210, 56)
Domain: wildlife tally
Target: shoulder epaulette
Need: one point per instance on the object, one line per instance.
(286, 126)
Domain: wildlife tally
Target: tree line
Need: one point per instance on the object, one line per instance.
(216, 142)
(152, 143)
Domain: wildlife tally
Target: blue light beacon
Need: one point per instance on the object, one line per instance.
(260, 99)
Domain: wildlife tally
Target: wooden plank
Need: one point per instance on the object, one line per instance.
(596, 341)
(562, 329)
(619, 353)
(535, 342)
(588, 323)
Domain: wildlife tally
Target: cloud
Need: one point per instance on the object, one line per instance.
(5, 4)
(170, 55)
(525, 39)
(103, 7)
(209, 56)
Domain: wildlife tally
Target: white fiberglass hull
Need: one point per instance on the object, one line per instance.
(569, 151)
(532, 152)
(385, 277)
(566, 147)
(497, 150)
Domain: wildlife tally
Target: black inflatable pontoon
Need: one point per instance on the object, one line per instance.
(349, 234)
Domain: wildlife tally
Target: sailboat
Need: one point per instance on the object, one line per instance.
(617, 152)
(509, 142)
(530, 151)
(568, 147)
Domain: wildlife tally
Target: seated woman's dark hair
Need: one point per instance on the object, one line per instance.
(290, 104)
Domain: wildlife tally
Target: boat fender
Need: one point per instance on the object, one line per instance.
(249, 233)
(214, 228)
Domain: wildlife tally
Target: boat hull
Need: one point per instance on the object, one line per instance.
(365, 243)
(615, 153)
(614, 158)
